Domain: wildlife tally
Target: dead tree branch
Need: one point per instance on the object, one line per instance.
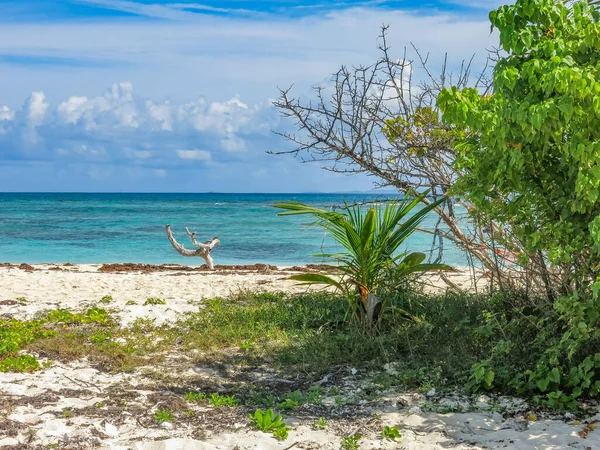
(203, 249)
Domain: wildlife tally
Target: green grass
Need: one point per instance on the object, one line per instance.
(303, 334)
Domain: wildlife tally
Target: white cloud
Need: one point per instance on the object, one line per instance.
(197, 155)
(6, 113)
(225, 56)
(233, 144)
(36, 107)
(201, 82)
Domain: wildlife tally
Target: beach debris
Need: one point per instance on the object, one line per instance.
(203, 250)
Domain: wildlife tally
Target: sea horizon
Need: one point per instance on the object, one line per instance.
(119, 227)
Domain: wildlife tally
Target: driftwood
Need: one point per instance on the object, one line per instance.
(203, 250)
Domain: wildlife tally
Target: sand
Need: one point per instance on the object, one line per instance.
(113, 411)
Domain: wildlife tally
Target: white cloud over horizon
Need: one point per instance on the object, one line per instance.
(190, 95)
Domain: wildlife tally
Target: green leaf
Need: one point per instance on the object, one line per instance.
(542, 384)
(316, 278)
(554, 375)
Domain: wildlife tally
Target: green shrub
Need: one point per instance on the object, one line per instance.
(530, 160)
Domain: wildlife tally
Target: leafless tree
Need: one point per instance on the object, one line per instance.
(377, 120)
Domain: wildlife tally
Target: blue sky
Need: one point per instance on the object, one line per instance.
(155, 95)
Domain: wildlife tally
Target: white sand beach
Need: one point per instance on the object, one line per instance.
(111, 410)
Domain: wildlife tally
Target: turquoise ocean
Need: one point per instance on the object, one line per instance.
(112, 228)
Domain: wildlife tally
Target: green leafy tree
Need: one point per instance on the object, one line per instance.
(530, 159)
(531, 155)
(371, 239)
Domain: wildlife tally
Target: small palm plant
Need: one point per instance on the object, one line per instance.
(371, 241)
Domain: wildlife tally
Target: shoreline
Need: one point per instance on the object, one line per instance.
(183, 288)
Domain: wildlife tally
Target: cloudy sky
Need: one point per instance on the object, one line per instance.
(175, 95)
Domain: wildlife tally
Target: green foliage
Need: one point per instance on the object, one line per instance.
(92, 315)
(350, 442)
(106, 299)
(371, 240)
(530, 156)
(163, 415)
(530, 159)
(130, 302)
(100, 336)
(321, 423)
(482, 377)
(269, 422)
(223, 400)
(154, 301)
(15, 334)
(21, 363)
(194, 397)
(422, 132)
(391, 433)
(289, 404)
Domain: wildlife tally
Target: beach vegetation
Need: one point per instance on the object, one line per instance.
(218, 400)
(194, 397)
(106, 299)
(527, 158)
(371, 262)
(289, 404)
(154, 301)
(21, 363)
(391, 433)
(163, 415)
(350, 442)
(321, 423)
(269, 422)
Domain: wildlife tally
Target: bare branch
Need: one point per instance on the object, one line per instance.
(202, 251)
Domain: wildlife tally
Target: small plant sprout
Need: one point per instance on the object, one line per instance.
(154, 301)
(21, 299)
(223, 400)
(391, 433)
(269, 422)
(350, 442)
(321, 423)
(130, 302)
(194, 397)
(163, 415)
(106, 299)
(66, 412)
